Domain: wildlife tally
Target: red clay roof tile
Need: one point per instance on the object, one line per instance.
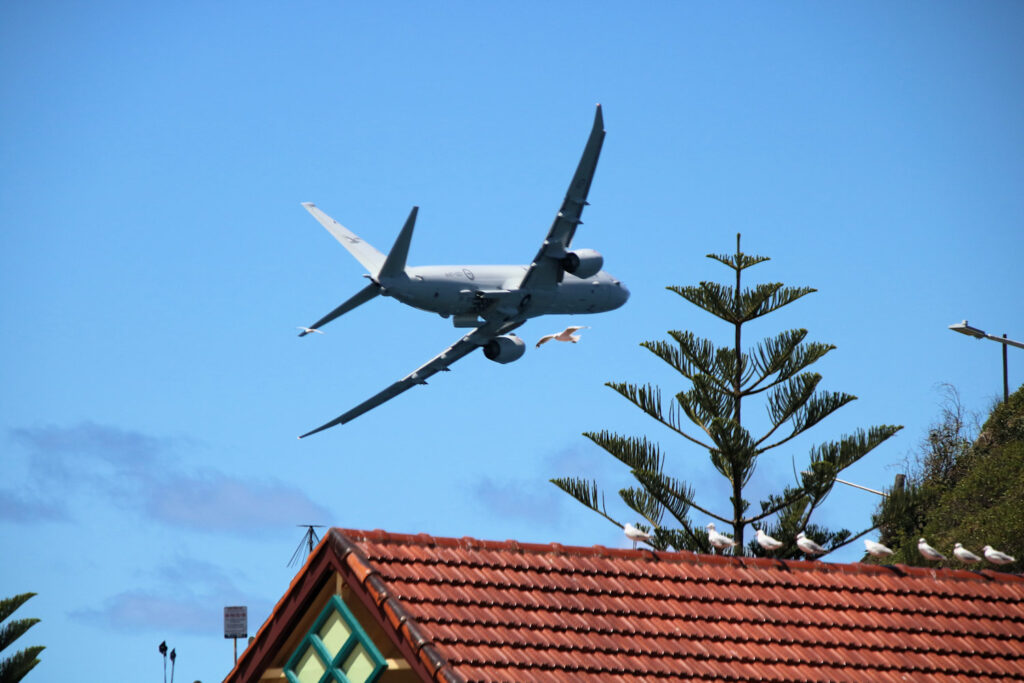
(508, 611)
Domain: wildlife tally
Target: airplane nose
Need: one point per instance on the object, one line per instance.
(623, 295)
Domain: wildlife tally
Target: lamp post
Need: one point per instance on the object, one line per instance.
(964, 328)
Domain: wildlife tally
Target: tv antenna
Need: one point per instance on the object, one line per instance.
(306, 545)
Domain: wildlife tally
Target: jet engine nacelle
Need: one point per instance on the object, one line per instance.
(582, 262)
(505, 349)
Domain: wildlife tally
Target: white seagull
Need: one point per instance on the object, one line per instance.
(808, 546)
(720, 541)
(634, 534)
(928, 552)
(767, 542)
(308, 330)
(964, 555)
(565, 335)
(996, 557)
(877, 549)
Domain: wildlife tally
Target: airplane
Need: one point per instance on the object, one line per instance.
(492, 300)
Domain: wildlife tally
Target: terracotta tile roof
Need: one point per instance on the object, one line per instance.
(473, 610)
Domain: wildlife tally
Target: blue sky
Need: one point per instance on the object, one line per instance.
(155, 260)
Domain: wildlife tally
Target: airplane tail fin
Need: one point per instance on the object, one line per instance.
(394, 264)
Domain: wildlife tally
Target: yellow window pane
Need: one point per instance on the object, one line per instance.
(334, 633)
(358, 666)
(309, 668)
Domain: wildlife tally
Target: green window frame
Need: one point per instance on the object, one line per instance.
(336, 650)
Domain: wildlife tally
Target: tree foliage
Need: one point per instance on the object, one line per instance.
(964, 486)
(708, 413)
(17, 665)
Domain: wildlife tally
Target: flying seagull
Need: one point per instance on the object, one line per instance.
(565, 335)
(767, 542)
(996, 557)
(928, 552)
(964, 555)
(720, 541)
(634, 534)
(308, 330)
(877, 549)
(808, 546)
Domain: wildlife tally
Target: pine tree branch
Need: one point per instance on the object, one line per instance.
(15, 667)
(644, 504)
(648, 399)
(768, 511)
(586, 493)
(636, 453)
(9, 605)
(770, 356)
(674, 495)
(11, 631)
(851, 448)
(772, 296)
(814, 411)
(801, 357)
(693, 356)
(848, 541)
(712, 297)
(738, 261)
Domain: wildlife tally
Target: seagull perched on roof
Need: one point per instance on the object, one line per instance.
(565, 335)
(928, 552)
(964, 555)
(308, 330)
(808, 546)
(766, 541)
(877, 549)
(634, 534)
(720, 541)
(996, 557)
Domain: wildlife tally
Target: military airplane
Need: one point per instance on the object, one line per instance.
(492, 300)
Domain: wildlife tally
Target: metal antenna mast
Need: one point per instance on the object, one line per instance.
(306, 545)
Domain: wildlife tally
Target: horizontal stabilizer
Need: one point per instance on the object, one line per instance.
(371, 259)
(361, 297)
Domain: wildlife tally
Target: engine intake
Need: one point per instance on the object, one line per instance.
(505, 349)
(582, 262)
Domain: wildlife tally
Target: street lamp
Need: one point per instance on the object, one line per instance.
(964, 328)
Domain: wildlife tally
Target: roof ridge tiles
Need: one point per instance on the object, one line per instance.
(684, 557)
(872, 590)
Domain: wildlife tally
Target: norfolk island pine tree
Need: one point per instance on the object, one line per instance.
(720, 378)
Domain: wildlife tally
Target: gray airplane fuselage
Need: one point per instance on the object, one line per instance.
(469, 291)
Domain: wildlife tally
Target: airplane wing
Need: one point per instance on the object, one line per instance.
(460, 349)
(546, 269)
(371, 259)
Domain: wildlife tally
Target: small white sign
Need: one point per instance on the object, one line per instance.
(236, 622)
